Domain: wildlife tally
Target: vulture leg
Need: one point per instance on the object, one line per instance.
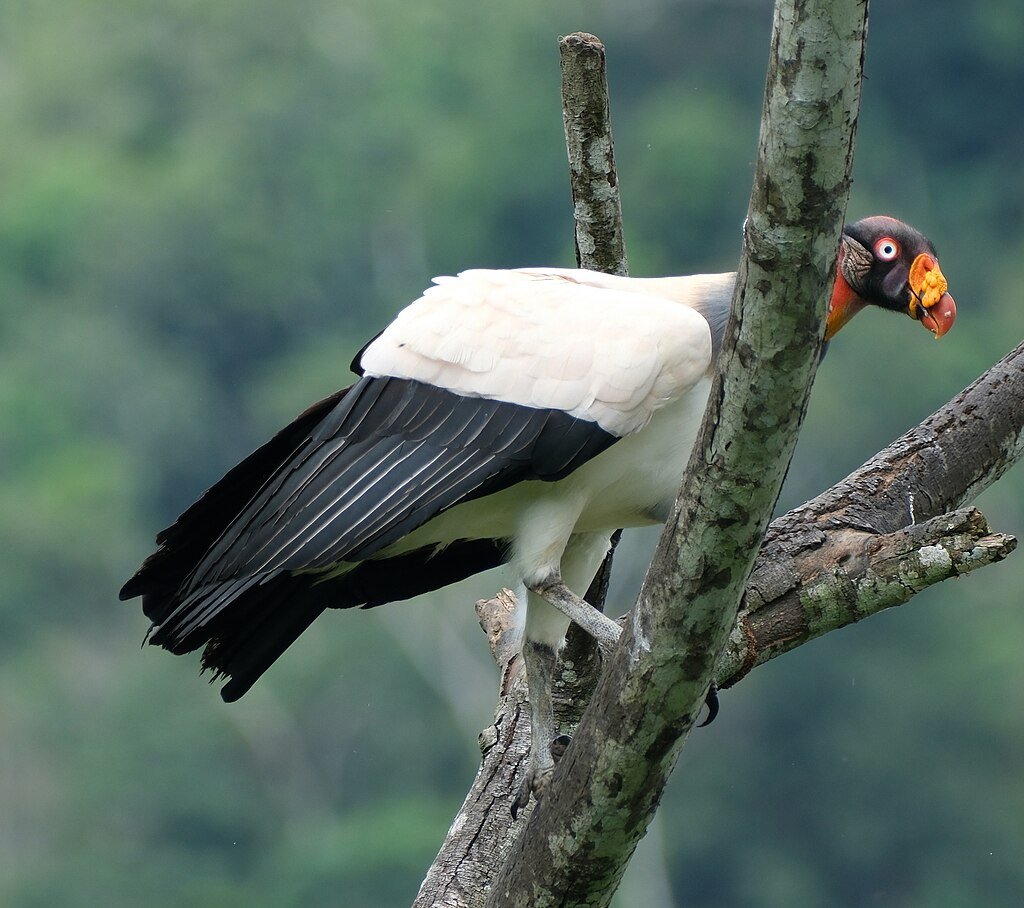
(539, 660)
(553, 591)
(550, 606)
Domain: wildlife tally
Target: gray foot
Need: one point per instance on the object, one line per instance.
(538, 777)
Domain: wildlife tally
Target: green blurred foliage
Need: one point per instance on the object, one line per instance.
(207, 209)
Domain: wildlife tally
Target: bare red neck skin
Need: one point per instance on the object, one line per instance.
(844, 305)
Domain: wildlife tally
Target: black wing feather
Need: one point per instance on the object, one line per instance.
(182, 544)
(398, 453)
(242, 571)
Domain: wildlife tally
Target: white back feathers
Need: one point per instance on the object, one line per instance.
(503, 335)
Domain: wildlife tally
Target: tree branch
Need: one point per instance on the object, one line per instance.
(607, 787)
(834, 560)
(853, 575)
(596, 200)
(597, 209)
(939, 465)
(822, 566)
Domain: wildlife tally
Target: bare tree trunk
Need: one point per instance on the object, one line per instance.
(822, 566)
(608, 785)
(837, 559)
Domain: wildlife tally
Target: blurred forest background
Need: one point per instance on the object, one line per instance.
(207, 208)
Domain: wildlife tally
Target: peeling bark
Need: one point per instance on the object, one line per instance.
(837, 559)
(939, 465)
(851, 575)
(606, 788)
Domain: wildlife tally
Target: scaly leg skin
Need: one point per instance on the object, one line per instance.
(605, 631)
(550, 607)
(539, 659)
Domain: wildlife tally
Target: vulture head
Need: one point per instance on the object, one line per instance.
(884, 262)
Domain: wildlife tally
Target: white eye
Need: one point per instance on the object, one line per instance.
(887, 249)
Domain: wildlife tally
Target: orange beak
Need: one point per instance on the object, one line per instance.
(930, 303)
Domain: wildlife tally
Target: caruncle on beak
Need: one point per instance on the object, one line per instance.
(929, 302)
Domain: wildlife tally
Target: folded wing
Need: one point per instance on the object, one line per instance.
(488, 380)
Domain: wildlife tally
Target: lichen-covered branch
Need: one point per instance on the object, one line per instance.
(597, 210)
(823, 565)
(608, 785)
(936, 467)
(811, 578)
(853, 575)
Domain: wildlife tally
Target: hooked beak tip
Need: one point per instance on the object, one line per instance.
(939, 318)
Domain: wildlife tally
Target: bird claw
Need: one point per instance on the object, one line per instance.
(538, 778)
(711, 702)
(535, 783)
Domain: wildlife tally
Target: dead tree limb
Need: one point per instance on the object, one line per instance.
(823, 565)
(608, 785)
(596, 199)
(851, 576)
(597, 208)
(936, 467)
(844, 555)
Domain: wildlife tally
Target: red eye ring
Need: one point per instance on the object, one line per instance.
(887, 249)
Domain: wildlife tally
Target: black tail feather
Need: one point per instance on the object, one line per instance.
(252, 625)
(260, 628)
(244, 624)
(183, 544)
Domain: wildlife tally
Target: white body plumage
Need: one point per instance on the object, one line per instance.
(640, 370)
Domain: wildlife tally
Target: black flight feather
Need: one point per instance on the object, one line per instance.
(246, 569)
(182, 544)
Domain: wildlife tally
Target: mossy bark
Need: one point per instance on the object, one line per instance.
(605, 791)
(597, 208)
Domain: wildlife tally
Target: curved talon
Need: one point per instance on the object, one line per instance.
(521, 799)
(711, 702)
(535, 783)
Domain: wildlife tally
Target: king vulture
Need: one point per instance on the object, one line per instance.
(504, 416)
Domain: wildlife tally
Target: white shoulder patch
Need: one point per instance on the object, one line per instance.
(613, 352)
